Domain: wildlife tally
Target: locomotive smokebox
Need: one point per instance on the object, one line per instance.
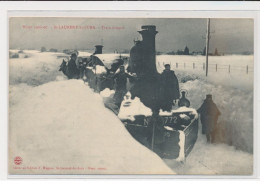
(98, 49)
(142, 54)
(148, 33)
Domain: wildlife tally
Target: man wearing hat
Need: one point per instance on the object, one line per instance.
(169, 88)
(73, 72)
(209, 114)
(120, 86)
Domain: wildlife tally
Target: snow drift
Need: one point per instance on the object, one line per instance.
(233, 93)
(38, 68)
(235, 124)
(49, 122)
(64, 124)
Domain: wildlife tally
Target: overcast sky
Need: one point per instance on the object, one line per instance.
(230, 35)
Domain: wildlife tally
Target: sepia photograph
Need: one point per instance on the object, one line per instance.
(131, 96)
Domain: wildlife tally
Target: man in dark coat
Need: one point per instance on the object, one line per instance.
(120, 87)
(169, 90)
(73, 72)
(209, 114)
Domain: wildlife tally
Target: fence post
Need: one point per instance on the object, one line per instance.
(176, 64)
(184, 65)
(203, 66)
(247, 69)
(193, 66)
(229, 68)
(216, 67)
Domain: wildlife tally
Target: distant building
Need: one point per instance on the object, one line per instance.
(171, 53)
(180, 52)
(43, 49)
(216, 52)
(186, 51)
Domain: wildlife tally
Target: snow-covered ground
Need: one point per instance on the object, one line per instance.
(51, 121)
(238, 63)
(37, 69)
(213, 159)
(237, 77)
(233, 94)
(61, 126)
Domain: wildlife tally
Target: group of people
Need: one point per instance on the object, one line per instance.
(75, 67)
(169, 93)
(169, 86)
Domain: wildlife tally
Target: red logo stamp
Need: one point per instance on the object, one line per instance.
(18, 160)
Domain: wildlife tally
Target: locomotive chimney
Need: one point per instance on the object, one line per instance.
(148, 33)
(98, 49)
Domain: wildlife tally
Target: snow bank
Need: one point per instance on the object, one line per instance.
(216, 159)
(233, 93)
(35, 70)
(63, 127)
(235, 124)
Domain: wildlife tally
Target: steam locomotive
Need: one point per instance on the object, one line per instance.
(171, 134)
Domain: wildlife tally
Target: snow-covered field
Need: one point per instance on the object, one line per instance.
(52, 120)
(238, 63)
(216, 159)
(35, 70)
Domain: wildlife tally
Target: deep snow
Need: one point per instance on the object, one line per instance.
(62, 127)
(30, 98)
(232, 92)
(216, 159)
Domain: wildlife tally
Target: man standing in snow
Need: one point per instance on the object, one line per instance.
(209, 114)
(120, 87)
(73, 72)
(169, 90)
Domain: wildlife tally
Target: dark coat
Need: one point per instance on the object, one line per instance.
(209, 114)
(169, 89)
(121, 80)
(73, 71)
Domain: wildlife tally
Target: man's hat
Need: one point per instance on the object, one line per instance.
(73, 54)
(167, 65)
(208, 96)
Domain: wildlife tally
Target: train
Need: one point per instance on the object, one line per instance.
(170, 134)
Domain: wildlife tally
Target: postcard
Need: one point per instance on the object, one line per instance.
(127, 96)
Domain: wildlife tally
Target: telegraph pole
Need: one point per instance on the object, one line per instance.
(207, 45)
